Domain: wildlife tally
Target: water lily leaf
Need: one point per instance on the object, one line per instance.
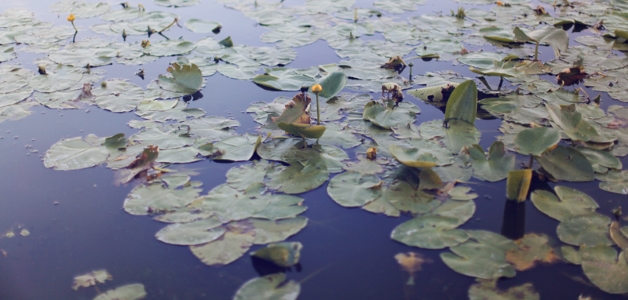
(339, 135)
(332, 84)
(600, 160)
(164, 138)
(462, 103)
(461, 210)
(81, 57)
(460, 134)
(518, 184)
(381, 205)
(590, 230)
(287, 81)
(115, 142)
(565, 163)
(522, 109)
(16, 96)
(430, 232)
(280, 207)
(229, 204)
(232, 245)
(569, 203)
(434, 93)
(243, 176)
(133, 291)
(482, 256)
(59, 79)
(177, 3)
(531, 248)
(267, 231)
(608, 272)
(273, 56)
(571, 122)
(534, 141)
(496, 167)
(615, 181)
(353, 189)
(557, 38)
(366, 166)
(185, 79)
(156, 197)
(192, 233)
(387, 117)
(282, 254)
(291, 150)
(127, 13)
(76, 153)
(404, 197)
(618, 236)
(226, 42)
(117, 95)
(488, 290)
(238, 148)
(272, 286)
(303, 130)
(6, 53)
(300, 177)
(179, 155)
(91, 278)
(413, 157)
(169, 48)
(481, 60)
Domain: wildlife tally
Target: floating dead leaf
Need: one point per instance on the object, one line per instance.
(531, 248)
(571, 76)
(91, 278)
(296, 111)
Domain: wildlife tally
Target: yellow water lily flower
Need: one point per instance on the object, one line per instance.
(317, 88)
(71, 18)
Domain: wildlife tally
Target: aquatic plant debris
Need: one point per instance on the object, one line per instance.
(367, 149)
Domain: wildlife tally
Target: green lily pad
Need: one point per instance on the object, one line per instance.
(572, 123)
(243, 176)
(590, 230)
(192, 233)
(303, 130)
(353, 189)
(117, 95)
(267, 231)
(569, 203)
(156, 197)
(566, 163)
(482, 256)
(496, 166)
(300, 177)
(462, 103)
(6, 53)
(282, 254)
(169, 48)
(283, 79)
(116, 142)
(76, 153)
(534, 141)
(232, 245)
(202, 26)
(430, 232)
(272, 286)
(177, 3)
(557, 38)
(59, 79)
(238, 148)
(615, 181)
(601, 161)
(609, 272)
(460, 134)
(332, 84)
(387, 117)
(133, 291)
(404, 197)
(186, 79)
(434, 93)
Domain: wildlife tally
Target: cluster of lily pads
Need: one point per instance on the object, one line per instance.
(401, 168)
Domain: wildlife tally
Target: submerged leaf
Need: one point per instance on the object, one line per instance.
(272, 286)
(282, 254)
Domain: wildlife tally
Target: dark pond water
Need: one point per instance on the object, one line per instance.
(348, 253)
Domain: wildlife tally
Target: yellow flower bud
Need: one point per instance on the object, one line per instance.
(317, 88)
(71, 18)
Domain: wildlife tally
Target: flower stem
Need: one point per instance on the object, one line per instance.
(318, 111)
(74, 26)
